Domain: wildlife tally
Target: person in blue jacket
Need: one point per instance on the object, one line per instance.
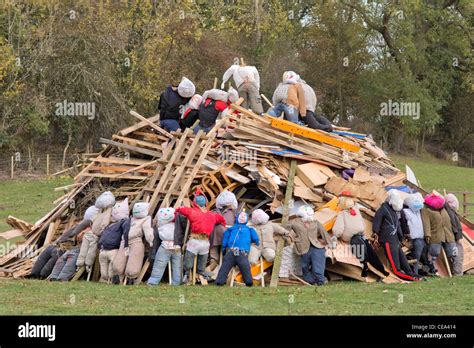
(236, 246)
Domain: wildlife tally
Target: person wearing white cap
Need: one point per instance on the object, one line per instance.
(172, 101)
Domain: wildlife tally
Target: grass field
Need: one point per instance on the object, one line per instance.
(435, 296)
(30, 200)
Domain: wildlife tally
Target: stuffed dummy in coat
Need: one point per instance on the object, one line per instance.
(350, 227)
(87, 254)
(129, 259)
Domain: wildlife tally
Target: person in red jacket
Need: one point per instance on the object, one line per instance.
(202, 223)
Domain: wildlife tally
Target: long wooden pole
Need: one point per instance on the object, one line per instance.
(284, 220)
(12, 169)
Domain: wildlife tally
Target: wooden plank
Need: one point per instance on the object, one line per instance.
(312, 134)
(131, 147)
(136, 142)
(182, 168)
(229, 172)
(284, 220)
(112, 176)
(151, 124)
(12, 234)
(53, 226)
(178, 151)
(138, 125)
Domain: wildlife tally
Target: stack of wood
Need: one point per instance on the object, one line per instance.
(244, 153)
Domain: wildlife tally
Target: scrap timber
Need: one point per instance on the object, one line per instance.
(268, 163)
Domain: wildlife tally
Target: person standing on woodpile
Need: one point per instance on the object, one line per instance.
(87, 254)
(236, 246)
(190, 112)
(266, 231)
(311, 119)
(171, 103)
(215, 104)
(452, 206)
(247, 81)
(109, 242)
(412, 226)
(202, 223)
(289, 98)
(169, 249)
(226, 205)
(438, 228)
(311, 240)
(47, 259)
(350, 227)
(129, 259)
(387, 229)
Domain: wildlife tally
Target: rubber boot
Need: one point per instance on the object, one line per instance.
(130, 281)
(116, 279)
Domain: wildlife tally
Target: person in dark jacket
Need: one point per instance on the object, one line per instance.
(387, 229)
(171, 103)
(236, 247)
(215, 102)
(190, 112)
(451, 206)
(109, 245)
(47, 259)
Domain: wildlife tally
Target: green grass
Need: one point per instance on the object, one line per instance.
(28, 200)
(437, 174)
(440, 296)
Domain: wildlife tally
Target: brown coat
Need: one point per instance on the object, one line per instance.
(307, 234)
(437, 225)
(101, 221)
(266, 234)
(296, 98)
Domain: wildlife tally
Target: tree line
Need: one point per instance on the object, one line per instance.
(361, 57)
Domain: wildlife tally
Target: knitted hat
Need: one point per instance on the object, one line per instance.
(259, 217)
(186, 88)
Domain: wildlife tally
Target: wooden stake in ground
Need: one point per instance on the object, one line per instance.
(47, 165)
(12, 169)
(284, 220)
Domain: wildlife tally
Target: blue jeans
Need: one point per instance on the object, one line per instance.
(291, 113)
(170, 125)
(204, 129)
(163, 256)
(313, 264)
(418, 244)
(230, 260)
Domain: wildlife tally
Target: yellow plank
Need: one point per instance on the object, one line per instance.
(311, 134)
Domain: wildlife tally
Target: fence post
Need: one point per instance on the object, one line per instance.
(47, 165)
(12, 169)
(464, 204)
